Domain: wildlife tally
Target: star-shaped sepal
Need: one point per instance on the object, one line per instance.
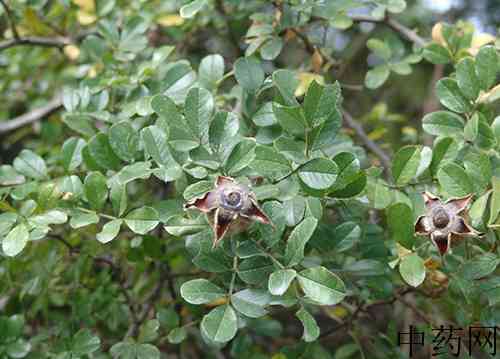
(230, 207)
(445, 223)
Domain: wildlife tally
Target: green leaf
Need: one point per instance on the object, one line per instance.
(348, 170)
(72, 153)
(80, 123)
(400, 221)
(321, 103)
(412, 269)
(255, 270)
(478, 167)
(271, 48)
(81, 219)
(223, 132)
(241, 156)
(487, 66)
(294, 210)
(119, 198)
(109, 231)
(467, 79)
(280, 280)
(220, 325)
(286, 81)
(265, 117)
(291, 118)
(53, 216)
(480, 267)
(495, 202)
(142, 220)
(294, 252)
(478, 130)
(102, 153)
(451, 97)
(379, 48)
(198, 110)
(31, 165)
(149, 331)
(18, 349)
(319, 173)
(437, 54)
(124, 140)
(84, 343)
(405, 164)
(251, 302)
(197, 189)
(132, 350)
(9, 176)
(267, 161)
(322, 137)
(190, 10)
(377, 76)
(95, 190)
(177, 335)
(211, 70)
(443, 123)
(179, 226)
(155, 144)
(201, 291)
(7, 220)
(249, 73)
(16, 240)
(70, 99)
(322, 286)
(138, 170)
(311, 328)
(454, 180)
(445, 149)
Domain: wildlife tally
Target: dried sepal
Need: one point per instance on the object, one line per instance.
(230, 207)
(445, 223)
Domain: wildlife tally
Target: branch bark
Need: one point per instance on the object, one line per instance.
(371, 145)
(32, 116)
(36, 41)
(395, 25)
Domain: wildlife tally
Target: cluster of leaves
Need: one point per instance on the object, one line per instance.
(93, 213)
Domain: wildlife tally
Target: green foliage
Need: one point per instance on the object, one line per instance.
(155, 101)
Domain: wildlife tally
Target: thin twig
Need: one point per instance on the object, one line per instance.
(149, 304)
(415, 310)
(395, 25)
(116, 269)
(10, 19)
(371, 145)
(59, 42)
(31, 116)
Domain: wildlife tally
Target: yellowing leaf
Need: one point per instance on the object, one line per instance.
(72, 52)
(480, 40)
(217, 302)
(305, 79)
(34, 24)
(377, 134)
(317, 60)
(170, 20)
(432, 264)
(85, 5)
(437, 34)
(490, 96)
(337, 311)
(85, 18)
(402, 251)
